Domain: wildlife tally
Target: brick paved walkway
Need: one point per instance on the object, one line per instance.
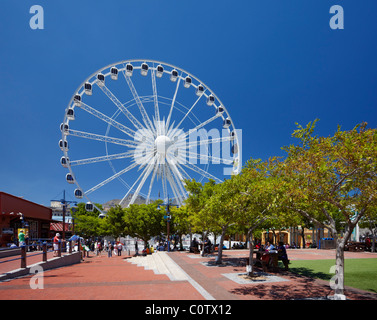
(116, 278)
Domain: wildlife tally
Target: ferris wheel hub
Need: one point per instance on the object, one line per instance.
(162, 143)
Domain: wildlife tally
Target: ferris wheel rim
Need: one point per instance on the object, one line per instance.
(80, 91)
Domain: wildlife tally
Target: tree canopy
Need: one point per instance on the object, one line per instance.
(325, 181)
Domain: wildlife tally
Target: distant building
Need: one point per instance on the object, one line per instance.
(57, 215)
(57, 212)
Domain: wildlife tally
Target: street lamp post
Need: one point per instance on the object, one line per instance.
(167, 217)
(65, 203)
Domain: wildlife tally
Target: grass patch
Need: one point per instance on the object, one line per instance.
(359, 273)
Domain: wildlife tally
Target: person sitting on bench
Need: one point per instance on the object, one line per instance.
(282, 255)
(194, 246)
(207, 246)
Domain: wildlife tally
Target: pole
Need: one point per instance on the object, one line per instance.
(168, 226)
(23, 256)
(168, 223)
(44, 251)
(63, 232)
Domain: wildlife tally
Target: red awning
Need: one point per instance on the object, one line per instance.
(58, 226)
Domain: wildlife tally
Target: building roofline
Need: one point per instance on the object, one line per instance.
(16, 197)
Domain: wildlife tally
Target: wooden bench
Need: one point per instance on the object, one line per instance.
(194, 250)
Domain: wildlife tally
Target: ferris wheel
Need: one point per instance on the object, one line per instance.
(136, 129)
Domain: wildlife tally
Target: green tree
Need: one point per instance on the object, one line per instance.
(144, 221)
(332, 182)
(180, 222)
(258, 199)
(87, 223)
(199, 194)
(222, 209)
(113, 223)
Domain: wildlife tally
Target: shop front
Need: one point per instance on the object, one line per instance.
(17, 213)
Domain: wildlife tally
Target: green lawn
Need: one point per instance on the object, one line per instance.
(359, 273)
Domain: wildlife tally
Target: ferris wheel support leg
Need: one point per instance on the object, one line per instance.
(146, 175)
(151, 184)
(174, 187)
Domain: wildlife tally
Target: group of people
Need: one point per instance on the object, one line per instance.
(280, 250)
(110, 247)
(207, 245)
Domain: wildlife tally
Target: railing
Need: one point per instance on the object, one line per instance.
(45, 245)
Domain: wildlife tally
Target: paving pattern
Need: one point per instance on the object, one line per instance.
(176, 276)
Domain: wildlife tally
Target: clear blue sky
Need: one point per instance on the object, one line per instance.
(272, 63)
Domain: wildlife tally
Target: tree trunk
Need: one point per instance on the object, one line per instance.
(249, 268)
(373, 232)
(204, 234)
(337, 282)
(220, 250)
(181, 242)
(373, 249)
(303, 237)
(190, 237)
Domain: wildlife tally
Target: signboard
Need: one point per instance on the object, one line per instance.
(24, 230)
(7, 231)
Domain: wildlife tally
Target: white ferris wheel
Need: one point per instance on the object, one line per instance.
(136, 129)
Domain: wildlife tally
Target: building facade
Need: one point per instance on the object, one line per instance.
(17, 213)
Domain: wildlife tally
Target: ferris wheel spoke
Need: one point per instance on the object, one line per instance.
(107, 119)
(121, 107)
(132, 187)
(178, 177)
(122, 155)
(184, 173)
(146, 175)
(164, 184)
(172, 103)
(200, 171)
(188, 112)
(155, 169)
(173, 185)
(143, 112)
(118, 174)
(174, 169)
(98, 137)
(201, 125)
(193, 155)
(155, 98)
(207, 142)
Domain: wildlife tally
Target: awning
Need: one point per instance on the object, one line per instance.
(58, 226)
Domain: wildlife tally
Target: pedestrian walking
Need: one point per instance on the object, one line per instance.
(119, 249)
(136, 249)
(99, 248)
(110, 251)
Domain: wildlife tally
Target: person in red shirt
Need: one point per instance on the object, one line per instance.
(56, 244)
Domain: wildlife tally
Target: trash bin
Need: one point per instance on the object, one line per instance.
(327, 243)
